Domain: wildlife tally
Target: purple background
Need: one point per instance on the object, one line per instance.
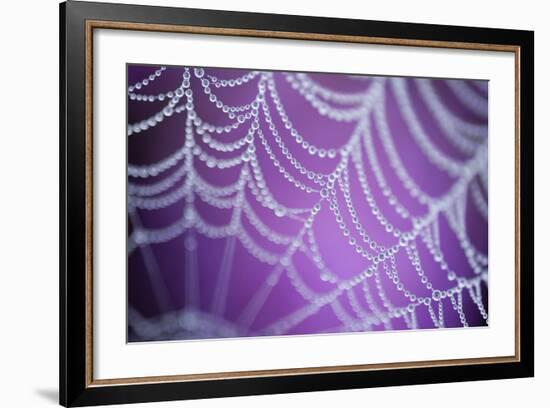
(247, 273)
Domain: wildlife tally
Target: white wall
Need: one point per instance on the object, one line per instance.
(29, 204)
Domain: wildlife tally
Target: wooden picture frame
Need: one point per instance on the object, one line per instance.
(78, 20)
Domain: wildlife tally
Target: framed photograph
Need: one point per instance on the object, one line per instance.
(256, 203)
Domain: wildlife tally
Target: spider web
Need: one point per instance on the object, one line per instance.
(321, 203)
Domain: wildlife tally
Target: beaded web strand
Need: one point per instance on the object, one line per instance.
(387, 226)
